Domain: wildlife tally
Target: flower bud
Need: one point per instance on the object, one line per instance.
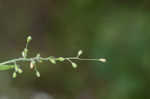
(20, 71)
(80, 53)
(32, 64)
(74, 65)
(61, 59)
(102, 60)
(14, 75)
(38, 74)
(52, 60)
(29, 38)
(24, 53)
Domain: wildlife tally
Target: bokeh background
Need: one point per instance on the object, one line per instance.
(118, 30)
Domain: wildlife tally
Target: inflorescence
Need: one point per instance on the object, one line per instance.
(13, 64)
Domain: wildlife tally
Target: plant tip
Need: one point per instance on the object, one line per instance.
(102, 60)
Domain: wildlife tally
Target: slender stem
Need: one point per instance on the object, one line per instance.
(15, 60)
(83, 59)
(44, 59)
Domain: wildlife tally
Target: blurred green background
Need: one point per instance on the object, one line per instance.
(118, 30)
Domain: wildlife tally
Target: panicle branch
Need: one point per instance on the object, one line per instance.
(13, 64)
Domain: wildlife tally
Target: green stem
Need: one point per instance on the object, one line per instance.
(43, 59)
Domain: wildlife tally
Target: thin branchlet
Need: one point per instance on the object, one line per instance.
(12, 64)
